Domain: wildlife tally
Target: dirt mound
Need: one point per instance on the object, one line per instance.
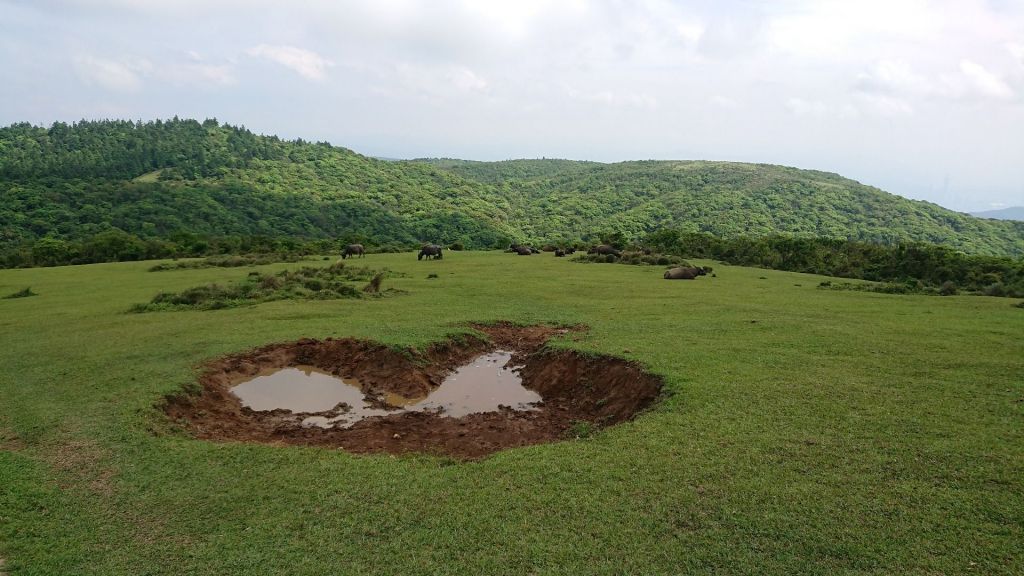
(576, 389)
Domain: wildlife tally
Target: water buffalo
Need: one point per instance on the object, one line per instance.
(559, 253)
(431, 251)
(683, 273)
(353, 250)
(524, 250)
(604, 249)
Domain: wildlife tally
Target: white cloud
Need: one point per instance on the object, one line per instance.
(116, 75)
(984, 82)
(885, 105)
(306, 63)
(830, 28)
(466, 80)
(199, 74)
(614, 99)
(1017, 51)
(725, 102)
(430, 82)
(889, 76)
(894, 84)
(812, 108)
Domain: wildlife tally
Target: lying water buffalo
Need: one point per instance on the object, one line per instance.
(523, 250)
(353, 250)
(559, 253)
(431, 251)
(684, 273)
(604, 249)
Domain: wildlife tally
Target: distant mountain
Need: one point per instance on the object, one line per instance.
(1011, 213)
(163, 179)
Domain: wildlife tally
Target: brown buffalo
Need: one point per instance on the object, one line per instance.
(604, 249)
(353, 250)
(431, 251)
(683, 273)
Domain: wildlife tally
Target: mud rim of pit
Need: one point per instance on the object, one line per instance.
(579, 393)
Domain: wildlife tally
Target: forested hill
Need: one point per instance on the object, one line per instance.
(725, 199)
(164, 178)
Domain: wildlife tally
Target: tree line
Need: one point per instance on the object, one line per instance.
(928, 264)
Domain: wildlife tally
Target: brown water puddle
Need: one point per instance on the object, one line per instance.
(487, 384)
(466, 397)
(299, 389)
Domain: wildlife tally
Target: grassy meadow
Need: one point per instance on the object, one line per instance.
(803, 431)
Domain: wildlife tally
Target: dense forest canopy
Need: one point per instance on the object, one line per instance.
(155, 180)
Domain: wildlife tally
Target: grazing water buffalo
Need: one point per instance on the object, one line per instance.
(682, 273)
(431, 251)
(604, 249)
(353, 250)
(522, 249)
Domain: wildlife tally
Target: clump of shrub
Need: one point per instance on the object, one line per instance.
(373, 287)
(23, 293)
(456, 246)
(1019, 304)
(306, 283)
(580, 429)
(908, 287)
(234, 261)
(636, 258)
(914, 286)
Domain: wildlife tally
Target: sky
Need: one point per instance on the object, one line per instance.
(922, 98)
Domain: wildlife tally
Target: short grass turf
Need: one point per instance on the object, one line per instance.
(803, 431)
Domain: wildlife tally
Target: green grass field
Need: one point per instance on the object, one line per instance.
(803, 431)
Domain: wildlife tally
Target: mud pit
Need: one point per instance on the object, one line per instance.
(465, 398)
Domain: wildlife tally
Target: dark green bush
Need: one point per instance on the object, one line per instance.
(308, 282)
(23, 293)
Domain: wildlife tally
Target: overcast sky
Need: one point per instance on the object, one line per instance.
(923, 98)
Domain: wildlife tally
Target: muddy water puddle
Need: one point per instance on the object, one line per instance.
(485, 384)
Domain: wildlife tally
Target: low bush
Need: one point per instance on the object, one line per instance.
(23, 293)
(228, 261)
(633, 258)
(308, 283)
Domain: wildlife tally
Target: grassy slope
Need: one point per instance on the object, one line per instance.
(840, 433)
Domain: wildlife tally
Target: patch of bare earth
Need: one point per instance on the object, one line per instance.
(83, 462)
(575, 388)
(9, 441)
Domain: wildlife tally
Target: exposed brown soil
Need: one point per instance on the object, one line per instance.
(83, 463)
(575, 388)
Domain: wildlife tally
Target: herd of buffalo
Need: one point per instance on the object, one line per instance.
(436, 252)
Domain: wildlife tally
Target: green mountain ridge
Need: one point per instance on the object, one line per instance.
(162, 178)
